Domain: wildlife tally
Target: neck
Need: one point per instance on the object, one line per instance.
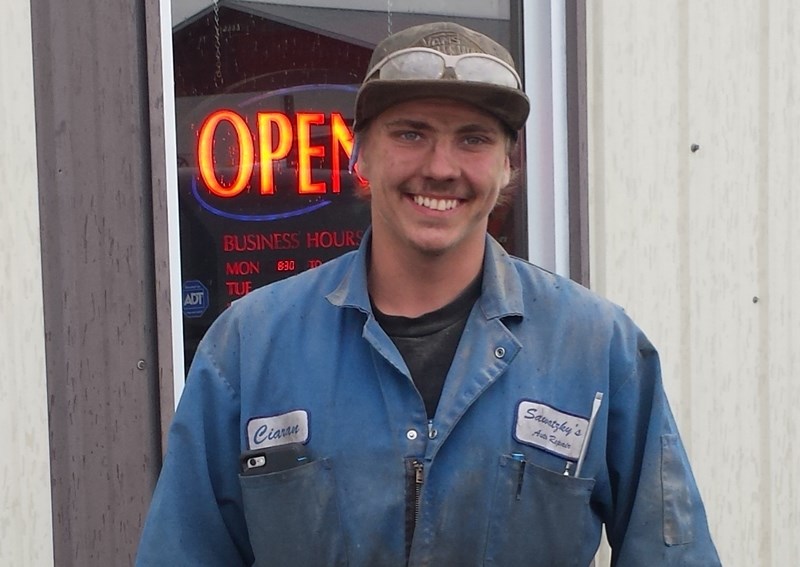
(411, 284)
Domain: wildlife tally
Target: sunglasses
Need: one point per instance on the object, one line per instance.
(422, 63)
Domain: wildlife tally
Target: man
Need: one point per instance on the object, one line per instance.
(427, 399)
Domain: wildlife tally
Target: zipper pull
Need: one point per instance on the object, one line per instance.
(419, 478)
(418, 472)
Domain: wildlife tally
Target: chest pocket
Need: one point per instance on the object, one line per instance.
(544, 521)
(293, 517)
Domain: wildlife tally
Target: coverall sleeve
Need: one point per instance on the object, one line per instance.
(658, 516)
(196, 515)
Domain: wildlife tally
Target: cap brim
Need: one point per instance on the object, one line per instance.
(510, 106)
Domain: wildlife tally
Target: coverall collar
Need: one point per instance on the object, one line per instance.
(501, 295)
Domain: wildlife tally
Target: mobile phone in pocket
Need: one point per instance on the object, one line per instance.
(273, 459)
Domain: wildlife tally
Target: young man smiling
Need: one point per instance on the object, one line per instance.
(427, 399)
(435, 169)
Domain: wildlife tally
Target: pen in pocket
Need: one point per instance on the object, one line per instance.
(520, 458)
(598, 399)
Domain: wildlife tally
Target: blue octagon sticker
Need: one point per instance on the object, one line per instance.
(195, 299)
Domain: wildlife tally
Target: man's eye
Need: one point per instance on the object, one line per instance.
(474, 140)
(410, 136)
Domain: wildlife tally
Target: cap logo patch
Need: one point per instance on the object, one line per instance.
(450, 43)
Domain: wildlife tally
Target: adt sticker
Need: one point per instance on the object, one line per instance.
(195, 299)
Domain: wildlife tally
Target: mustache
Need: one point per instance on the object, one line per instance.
(436, 188)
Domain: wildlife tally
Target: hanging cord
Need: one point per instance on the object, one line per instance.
(218, 71)
(389, 16)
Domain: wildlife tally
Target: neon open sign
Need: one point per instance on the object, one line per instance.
(274, 137)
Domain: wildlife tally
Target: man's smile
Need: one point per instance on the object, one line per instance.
(435, 204)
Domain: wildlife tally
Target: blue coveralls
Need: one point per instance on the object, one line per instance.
(481, 484)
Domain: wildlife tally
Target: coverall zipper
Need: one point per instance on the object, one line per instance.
(415, 478)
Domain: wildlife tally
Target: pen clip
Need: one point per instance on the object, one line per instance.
(598, 399)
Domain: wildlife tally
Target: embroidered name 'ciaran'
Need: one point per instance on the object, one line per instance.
(290, 427)
(554, 431)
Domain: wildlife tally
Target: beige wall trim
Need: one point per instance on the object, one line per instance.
(26, 533)
(577, 142)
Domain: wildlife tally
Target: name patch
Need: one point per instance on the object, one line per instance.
(291, 427)
(550, 429)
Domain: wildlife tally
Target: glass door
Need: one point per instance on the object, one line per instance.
(264, 95)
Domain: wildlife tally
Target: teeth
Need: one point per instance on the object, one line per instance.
(436, 204)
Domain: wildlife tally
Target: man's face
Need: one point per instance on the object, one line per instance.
(435, 169)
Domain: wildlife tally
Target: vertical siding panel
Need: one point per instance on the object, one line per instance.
(640, 142)
(764, 542)
(724, 184)
(780, 308)
(682, 278)
(595, 74)
(596, 111)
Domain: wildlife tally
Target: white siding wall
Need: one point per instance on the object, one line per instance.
(25, 521)
(703, 248)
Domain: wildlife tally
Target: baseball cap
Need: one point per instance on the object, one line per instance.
(446, 60)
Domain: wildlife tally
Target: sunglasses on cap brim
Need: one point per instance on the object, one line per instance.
(422, 63)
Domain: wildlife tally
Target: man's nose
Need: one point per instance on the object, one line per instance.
(441, 163)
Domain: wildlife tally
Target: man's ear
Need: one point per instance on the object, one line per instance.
(506, 172)
(362, 161)
(361, 183)
(361, 168)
